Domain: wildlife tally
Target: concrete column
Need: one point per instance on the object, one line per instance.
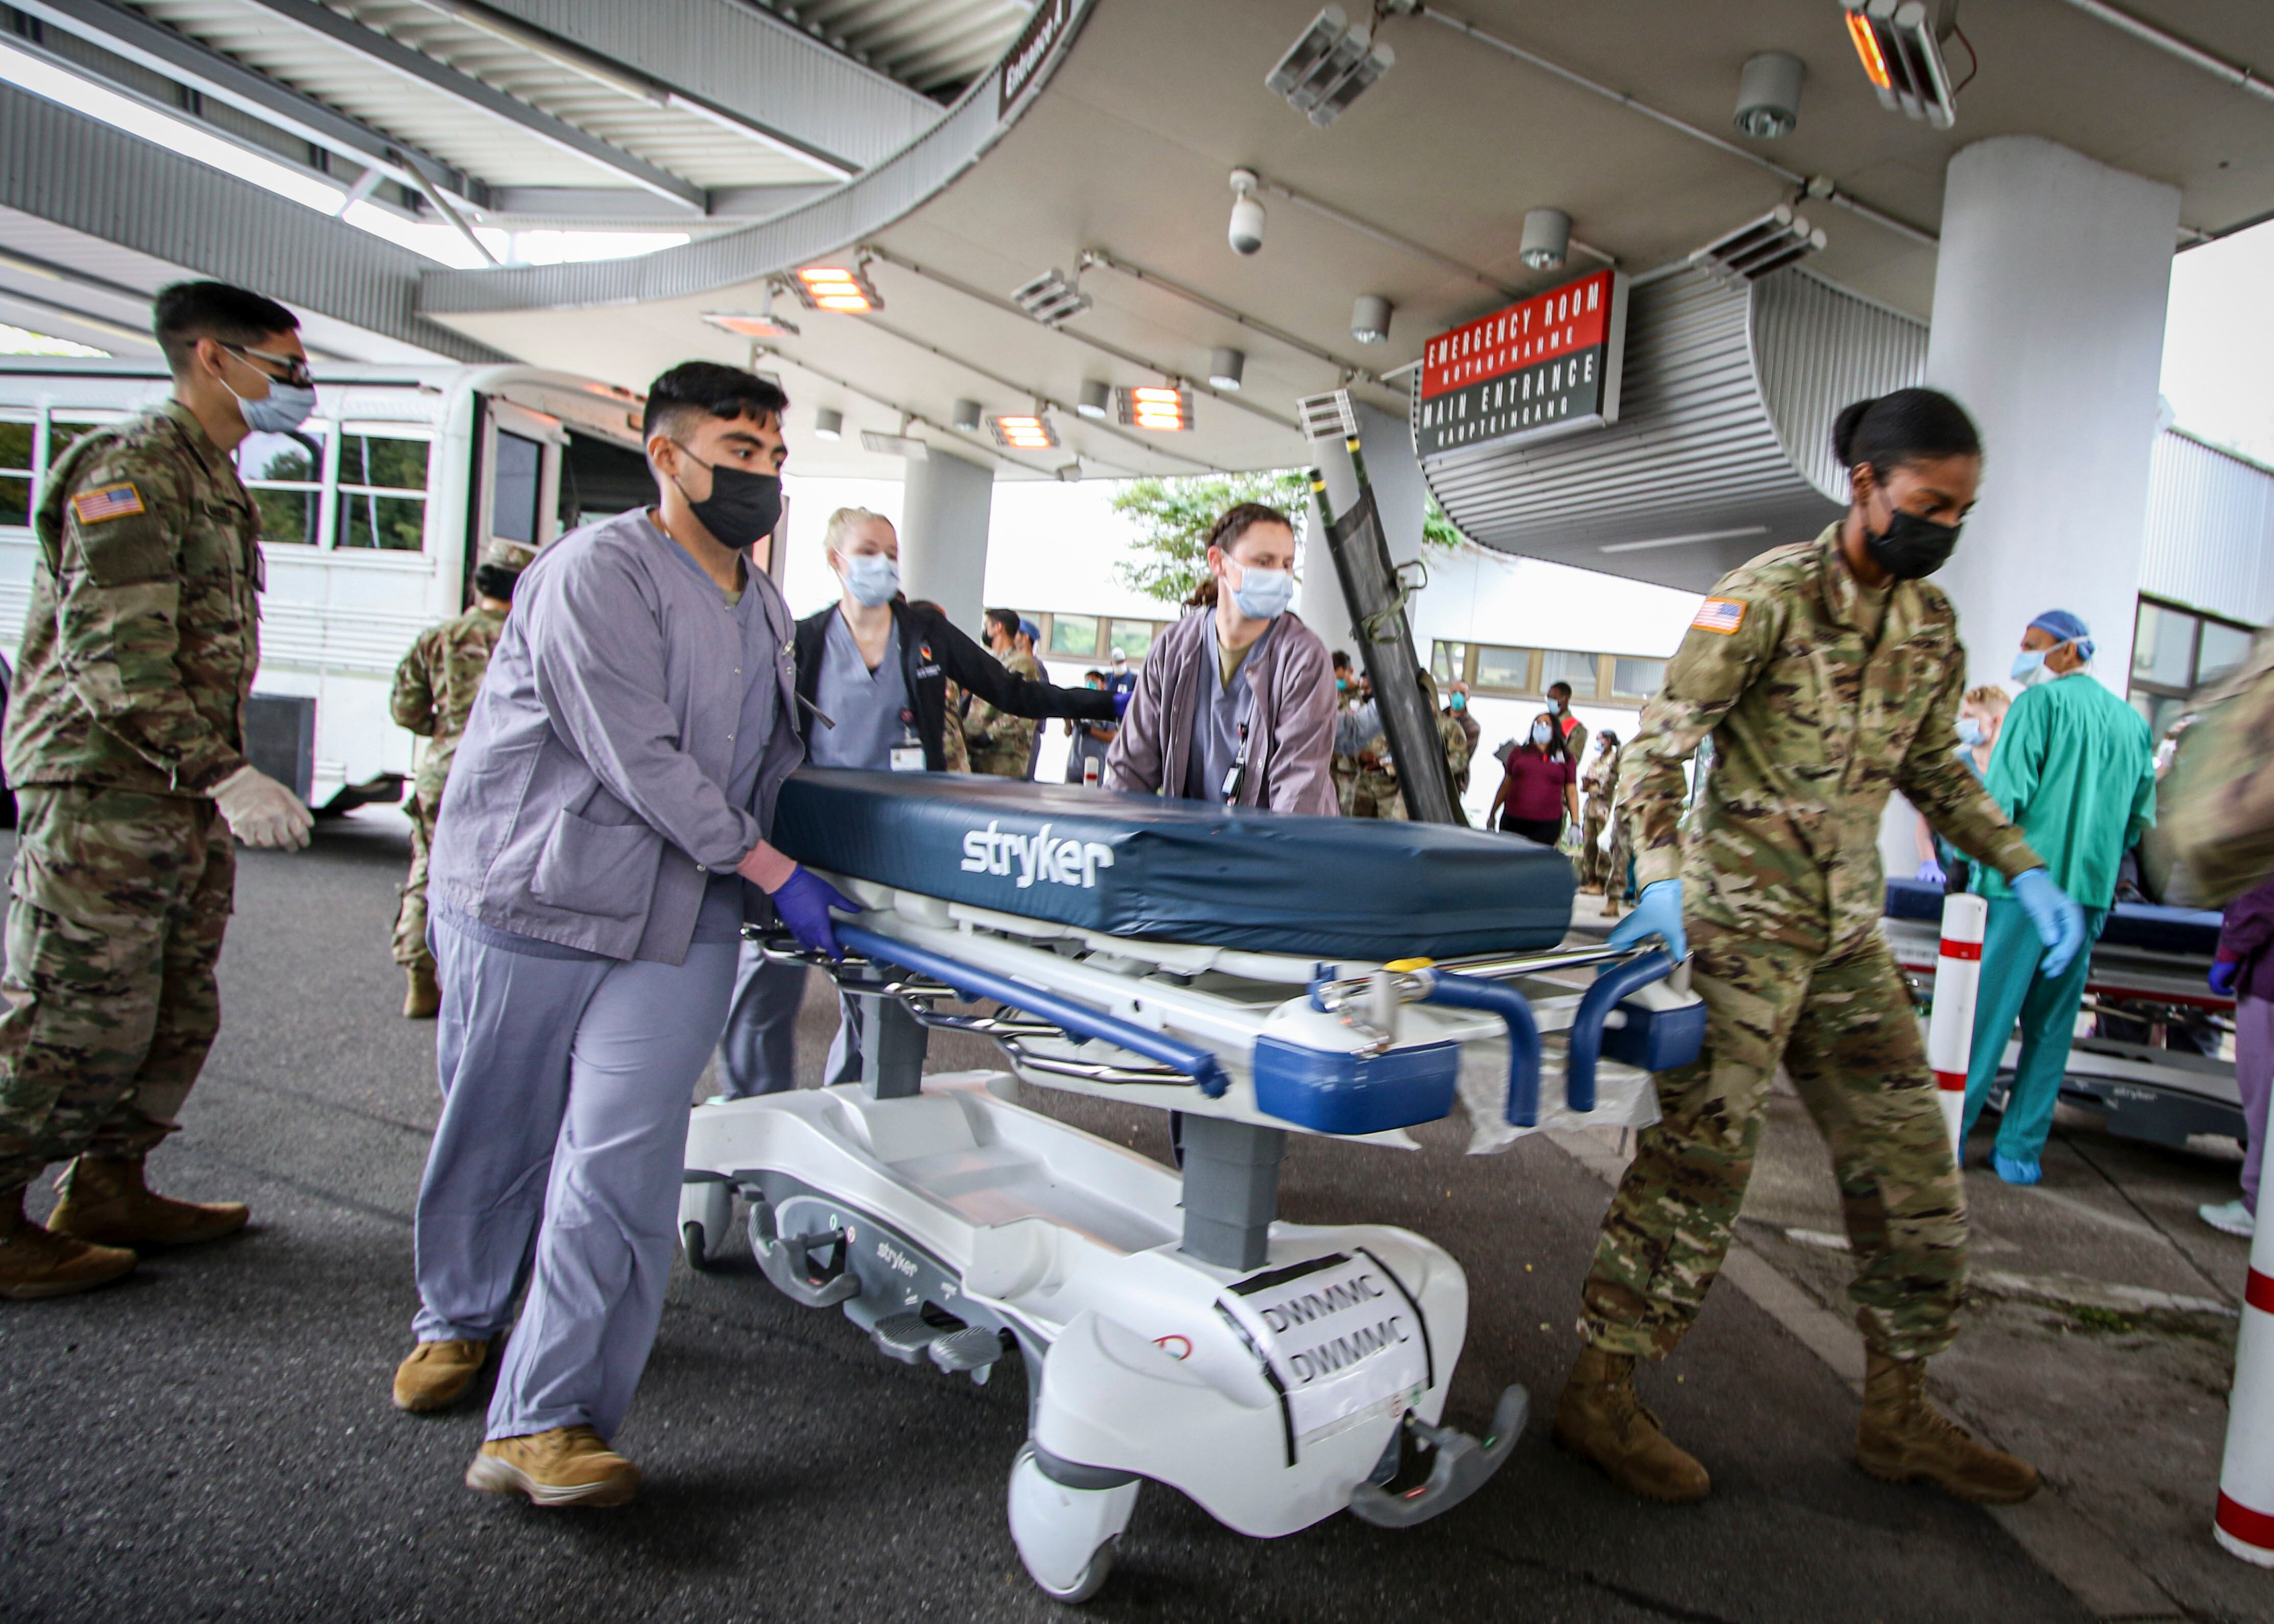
(1401, 499)
(943, 519)
(2049, 304)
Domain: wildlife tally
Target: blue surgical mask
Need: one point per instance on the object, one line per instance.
(1540, 733)
(284, 408)
(2028, 664)
(1459, 701)
(1970, 731)
(1264, 594)
(871, 577)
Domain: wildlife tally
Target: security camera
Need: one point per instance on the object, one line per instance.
(1246, 233)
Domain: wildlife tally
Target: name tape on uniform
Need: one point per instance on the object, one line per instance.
(1719, 614)
(1341, 1338)
(112, 501)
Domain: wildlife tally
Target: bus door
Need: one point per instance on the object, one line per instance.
(517, 489)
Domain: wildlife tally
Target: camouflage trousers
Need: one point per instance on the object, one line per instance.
(1846, 1033)
(410, 913)
(120, 902)
(1376, 794)
(1592, 866)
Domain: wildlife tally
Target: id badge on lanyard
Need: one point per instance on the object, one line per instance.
(907, 756)
(1237, 771)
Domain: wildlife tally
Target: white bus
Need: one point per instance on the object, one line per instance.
(373, 514)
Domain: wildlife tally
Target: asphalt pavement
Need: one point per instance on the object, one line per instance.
(212, 1437)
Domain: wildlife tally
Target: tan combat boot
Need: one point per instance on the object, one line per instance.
(1603, 1418)
(35, 1262)
(106, 1201)
(1904, 1438)
(437, 1375)
(423, 998)
(567, 1466)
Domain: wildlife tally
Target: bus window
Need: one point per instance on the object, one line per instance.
(382, 500)
(513, 488)
(15, 473)
(600, 478)
(285, 474)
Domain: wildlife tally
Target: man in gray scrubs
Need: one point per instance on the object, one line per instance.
(601, 845)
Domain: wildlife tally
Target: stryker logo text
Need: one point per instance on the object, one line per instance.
(1038, 856)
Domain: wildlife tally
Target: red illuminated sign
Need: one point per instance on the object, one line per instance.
(1548, 367)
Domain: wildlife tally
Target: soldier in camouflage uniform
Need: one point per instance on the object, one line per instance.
(1375, 790)
(1002, 744)
(1828, 673)
(1598, 783)
(125, 744)
(434, 689)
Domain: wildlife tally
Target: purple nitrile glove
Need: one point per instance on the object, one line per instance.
(1929, 872)
(803, 901)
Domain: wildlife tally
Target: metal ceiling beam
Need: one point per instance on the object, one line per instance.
(482, 97)
(960, 436)
(109, 326)
(739, 204)
(80, 173)
(126, 32)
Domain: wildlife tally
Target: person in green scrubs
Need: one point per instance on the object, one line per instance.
(2074, 768)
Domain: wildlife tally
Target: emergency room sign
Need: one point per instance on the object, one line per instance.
(1545, 367)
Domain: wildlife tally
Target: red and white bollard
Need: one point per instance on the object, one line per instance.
(2245, 1523)
(1950, 1027)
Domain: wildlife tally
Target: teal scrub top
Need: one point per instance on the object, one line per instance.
(1948, 855)
(2074, 768)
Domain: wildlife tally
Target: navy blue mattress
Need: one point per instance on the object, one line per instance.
(1179, 870)
(2193, 931)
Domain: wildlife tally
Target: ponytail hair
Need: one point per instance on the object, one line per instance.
(1908, 425)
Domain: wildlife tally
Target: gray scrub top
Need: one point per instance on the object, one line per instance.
(1225, 709)
(721, 918)
(866, 705)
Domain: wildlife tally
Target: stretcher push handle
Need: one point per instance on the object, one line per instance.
(1595, 1005)
(1469, 992)
(1080, 1019)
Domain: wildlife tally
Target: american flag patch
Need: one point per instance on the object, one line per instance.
(113, 501)
(1719, 614)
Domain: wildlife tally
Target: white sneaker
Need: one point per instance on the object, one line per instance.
(2233, 1218)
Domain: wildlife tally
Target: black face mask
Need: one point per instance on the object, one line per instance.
(741, 506)
(1912, 548)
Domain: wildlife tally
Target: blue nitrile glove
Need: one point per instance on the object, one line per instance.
(803, 901)
(1929, 872)
(1657, 913)
(1121, 698)
(2060, 923)
(2223, 973)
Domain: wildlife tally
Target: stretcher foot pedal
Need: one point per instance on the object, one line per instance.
(1459, 1466)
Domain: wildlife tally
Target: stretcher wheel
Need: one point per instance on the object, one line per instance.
(1066, 1535)
(697, 1249)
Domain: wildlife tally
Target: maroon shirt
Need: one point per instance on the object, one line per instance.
(1536, 781)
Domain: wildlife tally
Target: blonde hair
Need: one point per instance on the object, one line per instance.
(1988, 697)
(841, 524)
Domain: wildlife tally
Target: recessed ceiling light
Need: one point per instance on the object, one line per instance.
(828, 424)
(1370, 320)
(1226, 367)
(1096, 399)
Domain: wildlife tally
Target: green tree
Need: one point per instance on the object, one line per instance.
(1173, 516)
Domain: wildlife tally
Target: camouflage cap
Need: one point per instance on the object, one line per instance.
(512, 555)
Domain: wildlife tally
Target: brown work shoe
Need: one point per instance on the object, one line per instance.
(107, 1201)
(567, 1466)
(35, 1262)
(1603, 1418)
(423, 998)
(1904, 1438)
(437, 1375)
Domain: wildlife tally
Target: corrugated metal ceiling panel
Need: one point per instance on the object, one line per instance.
(2210, 531)
(937, 46)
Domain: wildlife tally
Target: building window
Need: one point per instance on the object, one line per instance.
(1562, 666)
(2176, 652)
(1637, 679)
(16, 473)
(1132, 638)
(1073, 637)
(1505, 671)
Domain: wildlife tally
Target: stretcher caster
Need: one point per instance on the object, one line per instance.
(1067, 1535)
(706, 1211)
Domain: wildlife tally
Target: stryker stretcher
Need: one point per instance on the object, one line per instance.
(2153, 1064)
(1255, 973)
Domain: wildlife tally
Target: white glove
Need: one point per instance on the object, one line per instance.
(260, 811)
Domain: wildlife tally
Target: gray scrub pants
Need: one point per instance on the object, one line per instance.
(566, 1085)
(758, 1052)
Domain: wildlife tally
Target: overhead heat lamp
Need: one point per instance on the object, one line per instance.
(1166, 409)
(839, 288)
(1329, 67)
(1898, 42)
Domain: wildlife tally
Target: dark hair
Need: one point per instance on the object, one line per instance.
(1611, 738)
(1087, 675)
(1906, 426)
(186, 312)
(1007, 619)
(1559, 687)
(1234, 523)
(1342, 659)
(495, 580)
(694, 390)
(1557, 749)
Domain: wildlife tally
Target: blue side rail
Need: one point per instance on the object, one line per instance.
(1470, 992)
(1078, 1019)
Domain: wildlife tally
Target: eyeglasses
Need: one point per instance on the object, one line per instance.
(295, 367)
